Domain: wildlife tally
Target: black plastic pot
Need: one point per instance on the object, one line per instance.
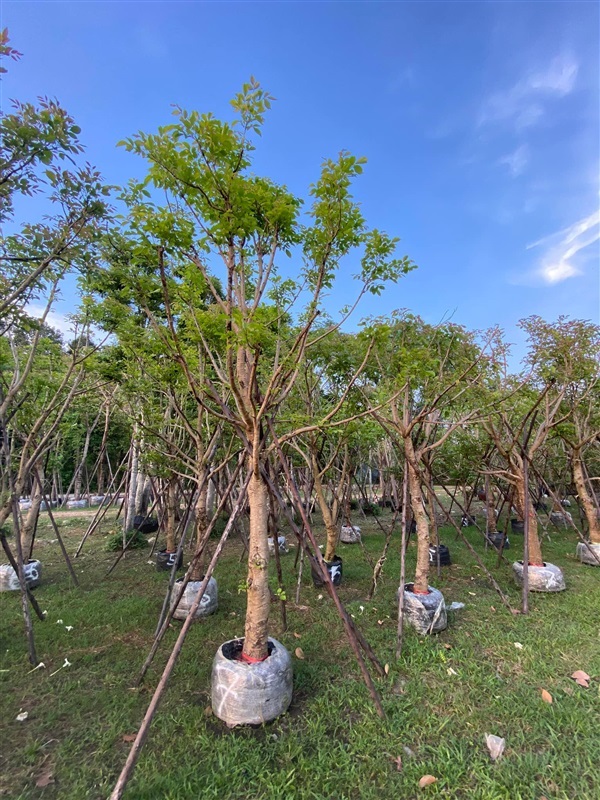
(145, 525)
(496, 538)
(165, 561)
(517, 526)
(467, 520)
(334, 568)
(444, 555)
(540, 506)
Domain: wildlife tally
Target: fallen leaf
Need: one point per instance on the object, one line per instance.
(518, 645)
(493, 608)
(208, 711)
(299, 652)
(129, 737)
(410, 753)
(45, 778)
(380, 622)
(297, 636)
(22, 716)
(427, 780)
(546, 696)
(451, 671)
(447, 646)
(582, 678)
(386, 669)
(398, 762)
(495, 744)
(472, 594)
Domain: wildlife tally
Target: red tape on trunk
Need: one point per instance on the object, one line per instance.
(250, 660)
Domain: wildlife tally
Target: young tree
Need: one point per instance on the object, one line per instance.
(221, 218)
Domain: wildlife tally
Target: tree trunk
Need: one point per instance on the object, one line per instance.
(201, 513)
(490, 507)
(133, 478)
(328, 520)
(171, 514)
(30, 523)
(586, 500)
(259, 597)
(535, 549)
(421, 584)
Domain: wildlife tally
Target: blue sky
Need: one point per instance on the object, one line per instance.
(480, 122)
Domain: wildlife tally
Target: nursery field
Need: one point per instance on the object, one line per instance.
(484, 674)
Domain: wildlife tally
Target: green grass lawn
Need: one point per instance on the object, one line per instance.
(331, 744)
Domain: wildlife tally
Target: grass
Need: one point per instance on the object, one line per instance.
(331, 744)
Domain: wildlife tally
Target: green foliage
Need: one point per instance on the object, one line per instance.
(134, 540)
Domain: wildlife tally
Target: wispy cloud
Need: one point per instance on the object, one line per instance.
(517, 160)
(60, 322)
(558, 261)
(522, 105)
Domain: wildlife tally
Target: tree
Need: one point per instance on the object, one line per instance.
(221, 218)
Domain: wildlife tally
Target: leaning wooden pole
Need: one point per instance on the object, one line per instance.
(158, 636)
(142, 734)
(63, 549)
(23, 586)
(525, 604)
(325, 576)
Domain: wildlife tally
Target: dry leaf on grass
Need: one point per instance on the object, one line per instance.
(582, 678)
(518, 645)
(427, 780)
(495, 744)
(299, 652)
(297, 636)
(398, 762)
(129, 737)
(386, 669)
(45, 778)
(546, 696)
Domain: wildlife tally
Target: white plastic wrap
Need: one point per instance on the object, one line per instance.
(350, 534)
(9, 580)
(561, 519)
(548, 578)
(209, 602)
(77, 503)
(426, 613)
(585, 553)
(281, 543)
(250, 694)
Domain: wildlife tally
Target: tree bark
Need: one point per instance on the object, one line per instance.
(201, 513)
(31, 520)
(259, 597)
(421, 583)
(589, 508)
(535, 548)
(171, 514)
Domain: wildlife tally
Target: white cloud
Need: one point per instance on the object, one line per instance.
(522, 104)
(61, 322)
(517, 160)
(557, 263)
